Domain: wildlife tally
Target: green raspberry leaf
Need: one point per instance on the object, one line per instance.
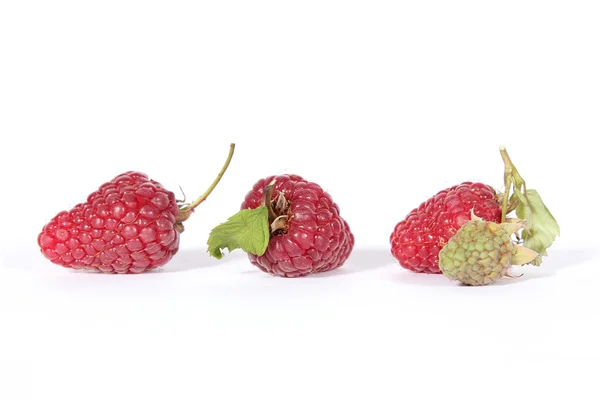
(541, 227)
(247, 230)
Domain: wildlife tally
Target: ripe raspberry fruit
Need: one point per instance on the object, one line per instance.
(289, 227)
(482, 252)
(129, 225)
(417, 240)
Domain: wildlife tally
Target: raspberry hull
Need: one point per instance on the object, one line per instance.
(316, 238)
(127, 226)
(417, 240)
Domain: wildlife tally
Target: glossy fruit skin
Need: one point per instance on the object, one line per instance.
(479, 254)
(417, 240)
(126, 226)
(318, 239)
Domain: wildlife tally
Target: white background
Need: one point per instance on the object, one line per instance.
(381, 102)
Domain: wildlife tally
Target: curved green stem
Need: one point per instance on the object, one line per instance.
(186, 211)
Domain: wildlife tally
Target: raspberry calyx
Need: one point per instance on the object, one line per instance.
(279, 210)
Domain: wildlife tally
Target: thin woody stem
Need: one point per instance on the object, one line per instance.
(186, 211)
(508, 180)
(507, 186)
(510, 167)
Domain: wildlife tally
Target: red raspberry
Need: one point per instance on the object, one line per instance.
(313, 236)
(129, 225)
(418, 239)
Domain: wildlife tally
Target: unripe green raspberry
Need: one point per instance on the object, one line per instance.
(482, 252)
